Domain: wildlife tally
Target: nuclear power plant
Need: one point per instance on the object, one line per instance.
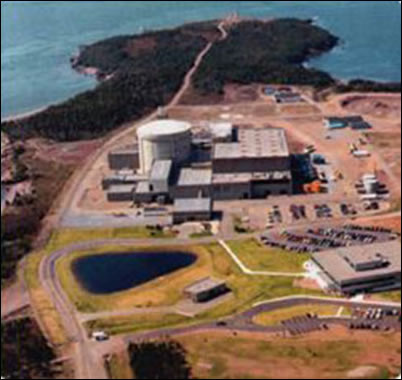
(164, 140)
(171, 165)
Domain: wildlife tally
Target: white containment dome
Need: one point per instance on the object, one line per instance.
(164, 140)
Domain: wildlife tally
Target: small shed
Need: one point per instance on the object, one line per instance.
(206, 290)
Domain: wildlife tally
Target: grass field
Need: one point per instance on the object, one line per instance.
(330, 355)
(257, 257)
(213, 261)
(67, 236)
(276, 317)
(141, 322)
(389, 296)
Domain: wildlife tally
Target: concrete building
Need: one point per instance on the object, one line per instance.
(121, 179)
(230, 186)
(206, 290)
(192, 210)
(164, 140)
(256, 166)
(258, 150)
(124, 158)
(222, 132)
(194, 183)
(251, 163)
(361, 269)
(160, 176)
(121, 193)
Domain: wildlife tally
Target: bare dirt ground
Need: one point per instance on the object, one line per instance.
(393, 223)
(67, 153)
(332, 354)
(388, 145)
(379, 106)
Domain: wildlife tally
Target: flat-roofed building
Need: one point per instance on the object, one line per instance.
(257, 150)
(194, 183)
(362, 269)
(160, 176)
(206, 290)
(284, 97)
(222, 132)
(124, 158)
(232, 186)
(121, 193)
(354, 122)
(121, 179)
(192, 210)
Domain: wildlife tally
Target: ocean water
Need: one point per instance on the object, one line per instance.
(39, 37)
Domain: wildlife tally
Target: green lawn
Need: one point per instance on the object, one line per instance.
(390, 296)
(135, 323)
(67, 236)
(258, 257)
(246, 290)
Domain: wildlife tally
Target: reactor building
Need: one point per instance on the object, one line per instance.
(242, 163)
(164, 140)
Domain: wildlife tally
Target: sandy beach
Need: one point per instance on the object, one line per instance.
(24, 115)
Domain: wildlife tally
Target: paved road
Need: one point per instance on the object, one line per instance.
(244, 322)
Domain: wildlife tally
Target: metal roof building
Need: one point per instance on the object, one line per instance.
(255, 143)
(361, 269)
(257, 150)
(195, 177)
(192, 209)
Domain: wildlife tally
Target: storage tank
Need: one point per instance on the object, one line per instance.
(164, 140)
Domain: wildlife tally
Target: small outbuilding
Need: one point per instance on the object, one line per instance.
(192, 210)
(206, 290)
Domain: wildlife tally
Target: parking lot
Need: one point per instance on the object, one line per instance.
(304, 325)
(375, 319)
(326, 238)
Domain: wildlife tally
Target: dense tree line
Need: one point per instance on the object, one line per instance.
(360, 85)
(25, 353)
(141, 82)
(16, 232)
(159, 360)
(266, 52)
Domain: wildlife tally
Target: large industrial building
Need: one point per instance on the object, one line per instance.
(243, 163)
(361, 269)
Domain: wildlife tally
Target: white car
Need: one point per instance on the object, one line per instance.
(100, 336)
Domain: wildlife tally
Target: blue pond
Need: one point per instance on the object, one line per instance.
(114, 272)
